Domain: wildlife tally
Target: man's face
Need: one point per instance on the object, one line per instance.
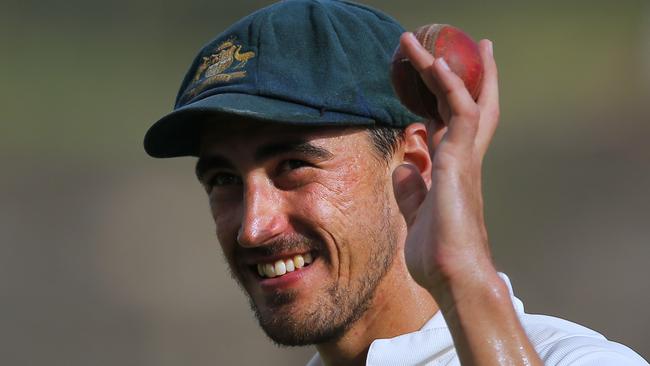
(281, 196)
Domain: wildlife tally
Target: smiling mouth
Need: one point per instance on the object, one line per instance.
(284, 265)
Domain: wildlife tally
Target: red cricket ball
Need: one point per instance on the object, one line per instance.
(460, 52)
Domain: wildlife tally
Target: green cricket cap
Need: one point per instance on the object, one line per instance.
(303, 62)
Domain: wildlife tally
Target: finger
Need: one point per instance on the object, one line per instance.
(448, 88)
(410, 190)
(422, 62)
(488, 98)
(465, 113)
(419, 57)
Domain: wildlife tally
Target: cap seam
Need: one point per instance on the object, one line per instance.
(258, 47)
(356, 83)
(277, 98)
(384, 18)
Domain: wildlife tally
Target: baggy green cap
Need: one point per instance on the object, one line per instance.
(306, 62)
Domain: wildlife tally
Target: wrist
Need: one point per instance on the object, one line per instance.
(473, 282)
(483, 322)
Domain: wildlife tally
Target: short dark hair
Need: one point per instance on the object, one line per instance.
(385, 139)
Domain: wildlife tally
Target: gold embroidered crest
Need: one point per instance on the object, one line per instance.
(222, 66)
(225, 55)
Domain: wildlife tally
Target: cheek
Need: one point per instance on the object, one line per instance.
(343, 205)
(226, 213)
(227, 223)
(329, 201)
(357, 193)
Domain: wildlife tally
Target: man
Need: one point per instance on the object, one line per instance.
(351, 224)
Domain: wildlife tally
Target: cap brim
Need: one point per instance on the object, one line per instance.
(178, 133)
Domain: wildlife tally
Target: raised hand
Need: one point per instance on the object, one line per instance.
(446, 248)
(447, 236)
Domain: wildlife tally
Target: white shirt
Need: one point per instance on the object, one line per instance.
(558, 342)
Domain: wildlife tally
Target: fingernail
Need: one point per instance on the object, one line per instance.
(412, 36)
(491, 48)
(443, 63)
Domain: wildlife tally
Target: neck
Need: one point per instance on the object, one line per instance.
(398, 307)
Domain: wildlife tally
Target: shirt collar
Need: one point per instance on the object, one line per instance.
(431, 345)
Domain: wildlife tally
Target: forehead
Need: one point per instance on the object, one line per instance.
(246, 135)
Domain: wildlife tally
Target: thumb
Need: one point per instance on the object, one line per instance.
(409, 189)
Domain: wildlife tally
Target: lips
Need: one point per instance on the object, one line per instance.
(282, 266)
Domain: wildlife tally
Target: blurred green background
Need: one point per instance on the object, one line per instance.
(108, 257)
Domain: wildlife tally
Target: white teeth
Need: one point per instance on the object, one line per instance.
(299, 261)
(269, 270)
(280, 268)
(289, 264)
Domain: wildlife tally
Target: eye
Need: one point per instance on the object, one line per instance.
(223, 180)
(292, 164)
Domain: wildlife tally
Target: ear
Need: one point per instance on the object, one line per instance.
(415, 151)
(436, 131)
(412, 171)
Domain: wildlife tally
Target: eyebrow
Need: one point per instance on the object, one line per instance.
(265, 152)
(303, 147)
(210, 162)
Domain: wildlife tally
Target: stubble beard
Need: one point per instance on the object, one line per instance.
(336, 308)
(328, 317)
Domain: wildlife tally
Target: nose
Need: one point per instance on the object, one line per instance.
(263, 217)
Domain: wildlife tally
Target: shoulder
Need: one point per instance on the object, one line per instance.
(561, 342)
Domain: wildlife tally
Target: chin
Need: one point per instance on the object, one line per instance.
(287, 330)
(290, 319)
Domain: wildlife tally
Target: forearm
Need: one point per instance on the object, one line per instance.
(482, 320)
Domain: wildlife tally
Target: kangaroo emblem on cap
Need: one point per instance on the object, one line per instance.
(225, 55)
(213, 68)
